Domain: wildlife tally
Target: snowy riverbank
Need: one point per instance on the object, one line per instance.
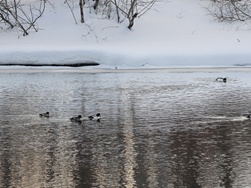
(173, 33)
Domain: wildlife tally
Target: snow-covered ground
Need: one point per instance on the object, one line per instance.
(174, 33)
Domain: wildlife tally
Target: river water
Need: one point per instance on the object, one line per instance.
(170, 130)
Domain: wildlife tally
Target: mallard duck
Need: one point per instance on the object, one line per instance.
(97, 117)
(76, 119)
(221, 79)
(46, 114)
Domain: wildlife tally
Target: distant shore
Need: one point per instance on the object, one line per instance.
(91, 69)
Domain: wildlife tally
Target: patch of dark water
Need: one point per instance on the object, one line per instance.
(52, 65)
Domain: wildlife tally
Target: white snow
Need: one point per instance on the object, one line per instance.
(174, 33)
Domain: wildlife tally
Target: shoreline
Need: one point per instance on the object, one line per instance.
(51, 65)
(13, 69)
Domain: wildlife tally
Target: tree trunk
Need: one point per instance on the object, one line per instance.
(81, 10)
(96, 4)
(131, 21)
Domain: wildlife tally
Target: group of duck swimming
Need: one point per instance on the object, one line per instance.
(78, 118)
(97, 117)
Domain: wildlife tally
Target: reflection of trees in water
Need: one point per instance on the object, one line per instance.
(185, 159)
(203, 157)
(107, 157)
(5, 155)
(31, 160)
(83, 174)
(225, 160)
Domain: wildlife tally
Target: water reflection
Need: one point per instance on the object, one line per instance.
(157, 130)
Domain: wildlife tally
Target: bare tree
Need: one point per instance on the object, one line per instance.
(122, 9)
(230, 10)
(14, 13)
(72, 5)
(131, 9)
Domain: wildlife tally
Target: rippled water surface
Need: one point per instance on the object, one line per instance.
(170, 130)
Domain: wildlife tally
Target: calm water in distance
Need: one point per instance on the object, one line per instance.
(170, 130)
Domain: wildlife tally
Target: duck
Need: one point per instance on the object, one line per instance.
(222, 79)
(76, 119)
(46, 114)
(97, 117)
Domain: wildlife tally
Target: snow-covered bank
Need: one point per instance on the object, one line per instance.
(174, 33)
(110, 59)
